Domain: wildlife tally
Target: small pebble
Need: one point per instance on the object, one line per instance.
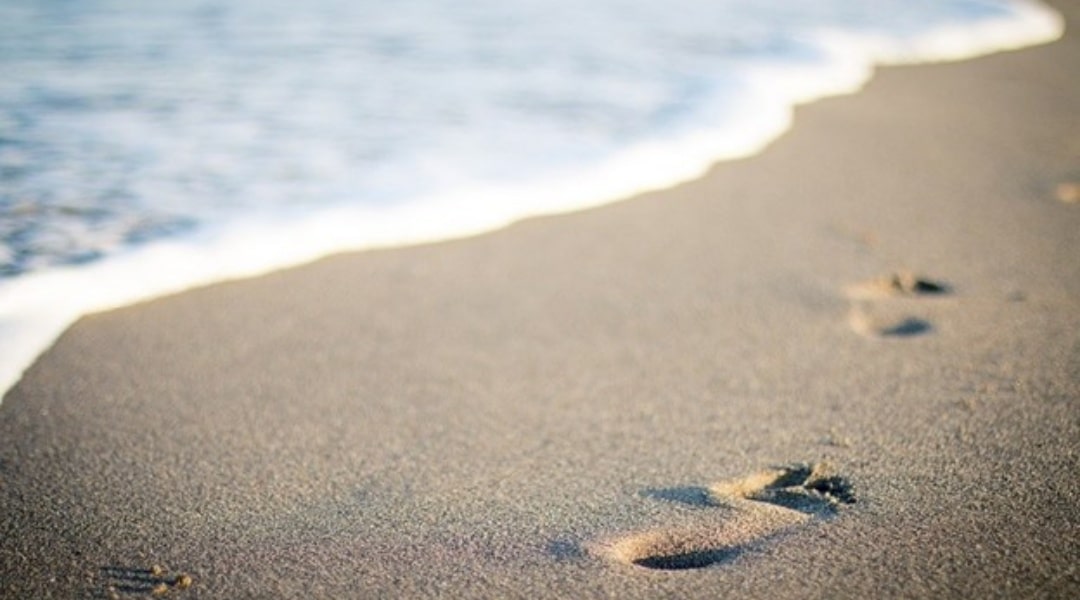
(183, 581)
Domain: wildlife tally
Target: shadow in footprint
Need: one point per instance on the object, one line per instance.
(901, 283)
(907, 328)
(872, 327)
(690, 560)
(907, 283)
(801, 489)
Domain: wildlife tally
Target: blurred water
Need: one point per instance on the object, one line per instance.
(123, 122)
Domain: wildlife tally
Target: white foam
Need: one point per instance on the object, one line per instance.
(36, 308)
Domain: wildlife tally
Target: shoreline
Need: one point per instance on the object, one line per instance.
(560, 407)
(33, 317)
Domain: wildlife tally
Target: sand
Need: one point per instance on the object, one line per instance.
(847, 367)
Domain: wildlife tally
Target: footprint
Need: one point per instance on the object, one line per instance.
(751, 509)
(878, 306)
(119, 582)
(899, 284)
(870, 325)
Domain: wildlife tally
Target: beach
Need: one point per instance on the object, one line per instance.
(846, 367)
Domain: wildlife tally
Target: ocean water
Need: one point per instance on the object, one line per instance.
(150, 146)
